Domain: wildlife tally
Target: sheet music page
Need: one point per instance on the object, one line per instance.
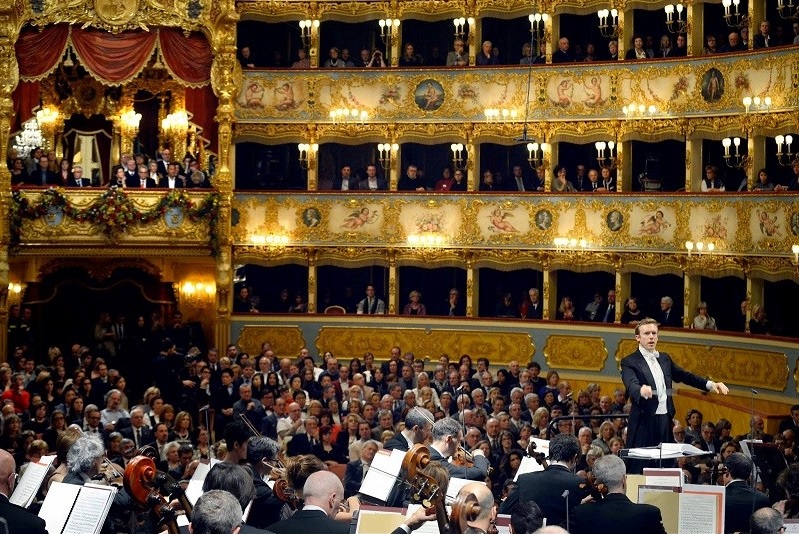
(57, 505)
(702, 509)
(30, 482)
(791, 526)
(454, 486)
(528, 465)
(195, 487)
(90, 510)
(671, 477)
(382, 474)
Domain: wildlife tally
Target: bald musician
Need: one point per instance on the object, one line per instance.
(488, 512)
(20, 521)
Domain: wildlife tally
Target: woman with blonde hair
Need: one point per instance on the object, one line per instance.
(414, 306)
(703, 321)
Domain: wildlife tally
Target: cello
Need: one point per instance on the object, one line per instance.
(153, 489)
(425, 490)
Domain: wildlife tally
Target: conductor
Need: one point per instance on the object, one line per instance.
(648, 375)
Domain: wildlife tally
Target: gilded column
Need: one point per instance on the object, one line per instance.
(553, 157)
(313, 167)
(757, 14)
(393, 283)
(472, 166)
(472, 282)
(225, 78)
(624, 167)
(692, 290)
(9, 78)
(695, 28)
(623, 290)
(475, 41)
(549, 290)
(622, 36)
(311, 256)
(756, 158)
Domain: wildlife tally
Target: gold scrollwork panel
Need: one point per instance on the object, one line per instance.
(502, 347)
(744, 367)
(584, 353)
(283, 339)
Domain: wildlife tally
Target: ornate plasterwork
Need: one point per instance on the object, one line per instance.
(584, 353)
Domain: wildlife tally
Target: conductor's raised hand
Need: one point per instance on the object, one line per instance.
(719, 387)
(646, 392)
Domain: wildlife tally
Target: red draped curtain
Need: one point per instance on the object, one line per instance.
(115, 59)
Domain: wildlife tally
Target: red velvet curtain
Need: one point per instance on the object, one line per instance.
(25, 98)
(38, 51)
(202, 104)
(188, 58)
(113, 58)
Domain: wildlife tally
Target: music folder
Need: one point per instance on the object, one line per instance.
(73, 509)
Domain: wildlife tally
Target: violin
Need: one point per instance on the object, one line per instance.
(598, 490)
(154, 489)
(425, 489)
(539, 457)
(462, 457)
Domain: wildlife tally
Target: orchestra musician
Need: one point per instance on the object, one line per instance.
(84, 462)
(418, 424)
(19, 520)
(215, 512)
(237, 481)
(488, 513)
(447, 437)
(262, 454)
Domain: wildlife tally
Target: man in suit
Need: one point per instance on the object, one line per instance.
(163, 163)
(42, 175)
(418, 425)
(345, 181)
(323, 494)
(304, 442)
(131, 174)
(371, 305)
(547, 488)
(518, 182)
(766, 521)
(138, 432)
(668, 315)
(607, 311)
(262, 457)
(447, 436)
(741, 499)
(237, 481)
(357, 469)
(214, 512)
(141, 180)
(535, 307)
(648, 377)
(615, 514)
(373, 182)
(764, 39)
(77, 179)
(222, 400)
(172, 179)
(20, 521)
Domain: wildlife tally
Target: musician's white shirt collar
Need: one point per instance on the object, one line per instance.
(314, 507)
(646, 352)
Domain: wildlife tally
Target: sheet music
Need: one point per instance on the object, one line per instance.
(454, 486)
(702, 509)
(30, 482)
(57, 505)
(670, 477)
(90, 510)
(791, 526)
(430, 527)
(529, 465)
(382, 474)
(195, 487)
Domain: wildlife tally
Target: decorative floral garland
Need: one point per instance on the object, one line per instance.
(114, 212)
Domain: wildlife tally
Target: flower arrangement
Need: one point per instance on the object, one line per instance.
(113, 212)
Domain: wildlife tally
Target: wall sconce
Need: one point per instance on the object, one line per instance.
(733, 17)
(388, 30)
(349, 115)
(460, 26)
(786, 140)
(457, 155)
(795, 251)
(736, 160)
(15, 292)
(535, 154)
(787, 11)
(633, 110)
(497, 115)
(307, 154)
(609, 28)
(609, 161)
(538, 24)
(271, 241)
(308, 28)
(47, 118)
(387, 152)
(562, 244)
(700, 247)
(197, 294)
(756, 103)
(675, 26)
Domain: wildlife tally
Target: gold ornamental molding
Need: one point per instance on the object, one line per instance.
(499, 347)
(582, 353)
(740, 366)
(285, 340)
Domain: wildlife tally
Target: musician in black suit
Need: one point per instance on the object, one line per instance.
(323, 494)
(418, 425)
(615, 514)
(215, 511)
(20, 521)
(262, 454)
(547, 488)
(447, 436)
(741, 500)
(648, 377)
